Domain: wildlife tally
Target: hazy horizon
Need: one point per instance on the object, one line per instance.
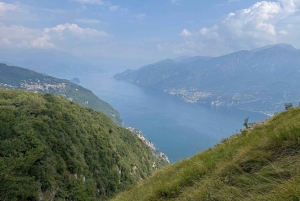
(118, 34)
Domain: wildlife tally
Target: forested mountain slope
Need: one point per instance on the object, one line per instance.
(260, 163)
(12, 77)
(259, 80)
(54, 149)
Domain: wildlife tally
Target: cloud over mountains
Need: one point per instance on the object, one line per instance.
(62, 36)
(263, 23)
(108, 30)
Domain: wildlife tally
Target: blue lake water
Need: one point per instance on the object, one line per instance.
(177, 128)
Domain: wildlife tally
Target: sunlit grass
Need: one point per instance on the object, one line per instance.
(258, 164)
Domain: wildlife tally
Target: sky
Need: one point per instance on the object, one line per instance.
(133, 33)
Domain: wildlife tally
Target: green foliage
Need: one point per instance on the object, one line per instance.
(258, 164)
(52, 148)
(288, 106)
(246, 123)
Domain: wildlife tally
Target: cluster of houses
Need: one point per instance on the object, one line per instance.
(37, 86)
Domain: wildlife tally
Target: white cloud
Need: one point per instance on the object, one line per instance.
(12, 12)
(263, 23)
(113, 8)
(65, 36)
(87, 21)
(141, 16)
(4, 7)
(175, 2)
(283, 32)
(42, 42)
(106, 4)
(74, 29)
(72, 38)
(97, 2)
(185, 32)
(256, 24)
(18, 36)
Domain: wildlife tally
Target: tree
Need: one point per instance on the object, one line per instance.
(288, 106)
(246, 123)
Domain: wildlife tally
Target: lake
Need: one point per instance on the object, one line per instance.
(177, 128)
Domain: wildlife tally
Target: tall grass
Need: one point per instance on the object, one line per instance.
(258, 164)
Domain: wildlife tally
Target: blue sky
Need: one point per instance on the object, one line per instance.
(134, 32)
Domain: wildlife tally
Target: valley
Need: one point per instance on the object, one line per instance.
(164, 100)
(177, 128)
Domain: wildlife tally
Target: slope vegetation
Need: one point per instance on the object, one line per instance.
(262, 163)
(12, 77)
(55, 149)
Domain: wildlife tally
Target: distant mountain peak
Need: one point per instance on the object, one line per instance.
(196, 58)
(181, 58)
(254, 80)
(167, 61)
(285, 46)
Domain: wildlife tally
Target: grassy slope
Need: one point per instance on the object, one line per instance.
(258, 164)
(55, 149)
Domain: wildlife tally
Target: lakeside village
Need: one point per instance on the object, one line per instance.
(191, 96)
(35, 86)
(154, 150)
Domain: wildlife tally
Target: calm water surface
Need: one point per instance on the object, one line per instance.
(177, 128)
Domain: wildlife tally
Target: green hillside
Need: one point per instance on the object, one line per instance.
(12, 77)
(55, 149)
(262, 163)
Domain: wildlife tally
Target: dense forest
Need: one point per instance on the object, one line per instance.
(54, 149)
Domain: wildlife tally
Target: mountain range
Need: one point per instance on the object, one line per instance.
(261, 80)
(52, 148)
